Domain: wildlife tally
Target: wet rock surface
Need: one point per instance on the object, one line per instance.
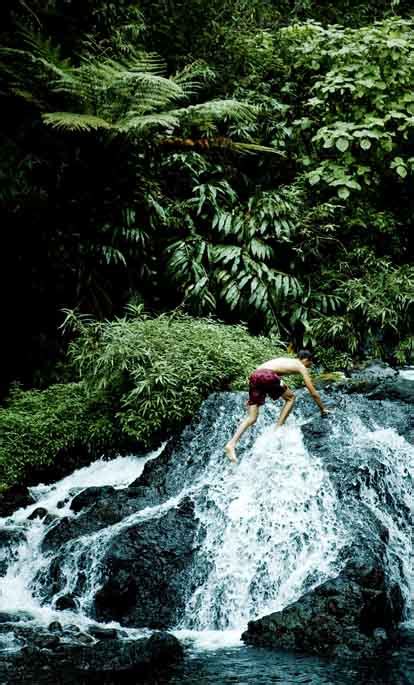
(146, 562)
(358, 612)
(10, 539)
(355, 614)
(144, 572)
(90, 656)
(378, 381)
(147, 571)
(14, 498)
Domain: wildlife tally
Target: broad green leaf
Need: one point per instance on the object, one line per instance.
(343, 193)
(342, 144)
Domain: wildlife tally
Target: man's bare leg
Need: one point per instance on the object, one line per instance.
(289, 398)
(230, 448)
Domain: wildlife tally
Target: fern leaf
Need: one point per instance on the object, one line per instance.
(140, 123)
(70, 121)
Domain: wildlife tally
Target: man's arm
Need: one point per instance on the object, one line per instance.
(313, 392)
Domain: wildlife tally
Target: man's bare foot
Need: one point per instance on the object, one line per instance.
(231, 453)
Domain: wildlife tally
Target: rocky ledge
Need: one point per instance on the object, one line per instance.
(355, 614)
(31, 653)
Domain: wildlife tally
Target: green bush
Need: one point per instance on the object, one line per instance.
(141, 379)
(39, 428)
(158, 370)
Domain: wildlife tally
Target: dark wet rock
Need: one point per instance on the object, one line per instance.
(65, 602)
(72, 629)
(38, 513)
(64, 529)
(184, 457)
(100, 633)
(98, 508)
(55, 627)
(379, 382)
(39, 651)
(400, 389)
(10, 540)
(87, 497)
(147, 570)
(49, 519)
(355, 614)
(45, 640)
(15, 616)
(375, 370)
(14, 498)
(148, 566)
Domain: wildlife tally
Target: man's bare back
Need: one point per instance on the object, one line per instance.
(263, 383)
(284, 366)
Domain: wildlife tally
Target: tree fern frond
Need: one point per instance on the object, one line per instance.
(43, 49)
(28, 96)
(138, 61)
(70, 121)
(219, 110)
(156, 86)
(194, 77)
(140, 123)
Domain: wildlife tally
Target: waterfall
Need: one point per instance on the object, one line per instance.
(270, 527)
(18, 586)
(272, 532)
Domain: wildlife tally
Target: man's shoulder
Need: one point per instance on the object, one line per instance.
(289, 364)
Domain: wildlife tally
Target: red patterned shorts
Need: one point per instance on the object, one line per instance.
(265, 382)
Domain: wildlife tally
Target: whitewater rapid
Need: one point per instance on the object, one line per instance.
(270, 527)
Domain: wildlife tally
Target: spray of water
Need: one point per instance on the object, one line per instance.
(18, 590)
(270, 527)
(271, 530)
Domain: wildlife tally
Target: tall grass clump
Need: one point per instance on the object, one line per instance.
(158, 370)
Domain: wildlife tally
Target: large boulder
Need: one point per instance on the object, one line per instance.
(97, 508)
(356, 613)
(144, 565)
(378, 381)
(147, 570)
(33, 653)
(14, 498)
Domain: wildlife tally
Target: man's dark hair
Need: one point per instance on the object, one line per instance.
(305, 354)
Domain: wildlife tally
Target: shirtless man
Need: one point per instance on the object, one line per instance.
(266, 380)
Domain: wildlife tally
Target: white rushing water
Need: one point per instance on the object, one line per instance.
(407, 373)
(16, 587)
(269, 528)
(395, 457)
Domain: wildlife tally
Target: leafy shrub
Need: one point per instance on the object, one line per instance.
(377, 320)
(38, 428)
(141, 378)
(360, 105)
(158, 370)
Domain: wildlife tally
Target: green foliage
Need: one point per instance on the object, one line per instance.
(378, 318)
(158, 370)
(229, 257)
(39, 428)
(360, 105)
(255, 177)
(127, 93)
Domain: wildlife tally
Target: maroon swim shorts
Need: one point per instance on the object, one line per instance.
(265, 382)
